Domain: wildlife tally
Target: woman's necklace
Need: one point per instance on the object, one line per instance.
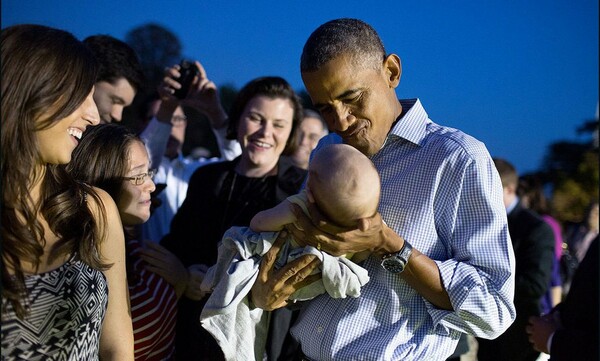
(248, 189)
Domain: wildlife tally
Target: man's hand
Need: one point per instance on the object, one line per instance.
(321, 233)
(273, 288)
(539, 330)
(204, 97)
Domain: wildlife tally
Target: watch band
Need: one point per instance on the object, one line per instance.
(396, 262)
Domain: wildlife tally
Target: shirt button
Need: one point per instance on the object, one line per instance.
(320, 329)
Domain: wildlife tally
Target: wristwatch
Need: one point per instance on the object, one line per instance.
(396, 262)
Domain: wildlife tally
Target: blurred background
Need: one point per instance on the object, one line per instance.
(520, 76)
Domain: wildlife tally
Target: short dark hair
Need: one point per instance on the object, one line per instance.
(508, 173)
(342, 36)
(271, 87)
(116, 59)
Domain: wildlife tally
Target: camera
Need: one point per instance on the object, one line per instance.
(188, 71)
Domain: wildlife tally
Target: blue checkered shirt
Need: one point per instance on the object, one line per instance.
(442, 193)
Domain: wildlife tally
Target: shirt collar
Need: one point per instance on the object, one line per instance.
(412, 123)
(512, 205)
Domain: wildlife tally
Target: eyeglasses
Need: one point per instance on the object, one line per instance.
(178, 120)
(139, 179)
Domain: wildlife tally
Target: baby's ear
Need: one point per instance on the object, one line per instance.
(364, 224)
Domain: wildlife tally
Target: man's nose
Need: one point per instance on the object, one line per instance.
(116, 113)
(343, 119)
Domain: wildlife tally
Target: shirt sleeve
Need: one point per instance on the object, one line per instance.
(156, 135)
(479, 276)
(229, 149)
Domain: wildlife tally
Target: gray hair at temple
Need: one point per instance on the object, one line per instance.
(343, 36)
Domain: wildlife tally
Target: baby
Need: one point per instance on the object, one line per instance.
(344, 185)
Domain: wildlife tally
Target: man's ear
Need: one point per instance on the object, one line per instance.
(364, 224)
(393, 70)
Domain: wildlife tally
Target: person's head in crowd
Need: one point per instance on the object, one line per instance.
(114, 158)
(179, 125)
(120, 76)
(263, 118)
(47, 85)
(312, 127)
(344, 184)
(509, 178)
(531, 194)
(351, 82)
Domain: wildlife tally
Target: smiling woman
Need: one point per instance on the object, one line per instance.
(220, 195)
(58, 234)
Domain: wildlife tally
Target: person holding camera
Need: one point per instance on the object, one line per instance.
(263, 118)
(164, 136)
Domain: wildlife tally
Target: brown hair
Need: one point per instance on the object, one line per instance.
(508, 173)
(269, 86)
(46, 75)
(102, 157)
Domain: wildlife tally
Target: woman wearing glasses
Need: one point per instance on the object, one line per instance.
(112, 157)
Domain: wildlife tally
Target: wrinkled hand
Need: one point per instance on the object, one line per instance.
(165, 264)
(321, 233)
(273, 288)
(539, 330)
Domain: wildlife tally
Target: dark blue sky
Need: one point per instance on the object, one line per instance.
(517, 75)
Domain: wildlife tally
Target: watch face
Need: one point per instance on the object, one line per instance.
(393, 264)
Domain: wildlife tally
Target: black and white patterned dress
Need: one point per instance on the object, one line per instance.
(67, 307)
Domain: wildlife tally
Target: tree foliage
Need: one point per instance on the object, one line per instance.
(572, 170)
(157, 48)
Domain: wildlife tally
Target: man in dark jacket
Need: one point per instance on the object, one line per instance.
(533, 244)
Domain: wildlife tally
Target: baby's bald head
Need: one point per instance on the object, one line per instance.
(344, 183)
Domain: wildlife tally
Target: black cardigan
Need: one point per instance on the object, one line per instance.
(199, 224)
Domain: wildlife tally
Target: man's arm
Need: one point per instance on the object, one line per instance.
(421, 273)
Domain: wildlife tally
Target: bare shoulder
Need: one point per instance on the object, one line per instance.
(103, 203)
(105, 211)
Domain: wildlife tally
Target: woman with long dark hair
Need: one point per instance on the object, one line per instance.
(64, 292)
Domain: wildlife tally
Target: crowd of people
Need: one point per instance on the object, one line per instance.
(351, 228)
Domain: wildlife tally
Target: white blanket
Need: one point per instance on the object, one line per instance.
(240, 330)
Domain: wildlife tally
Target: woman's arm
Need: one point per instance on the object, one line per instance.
(116, 340)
